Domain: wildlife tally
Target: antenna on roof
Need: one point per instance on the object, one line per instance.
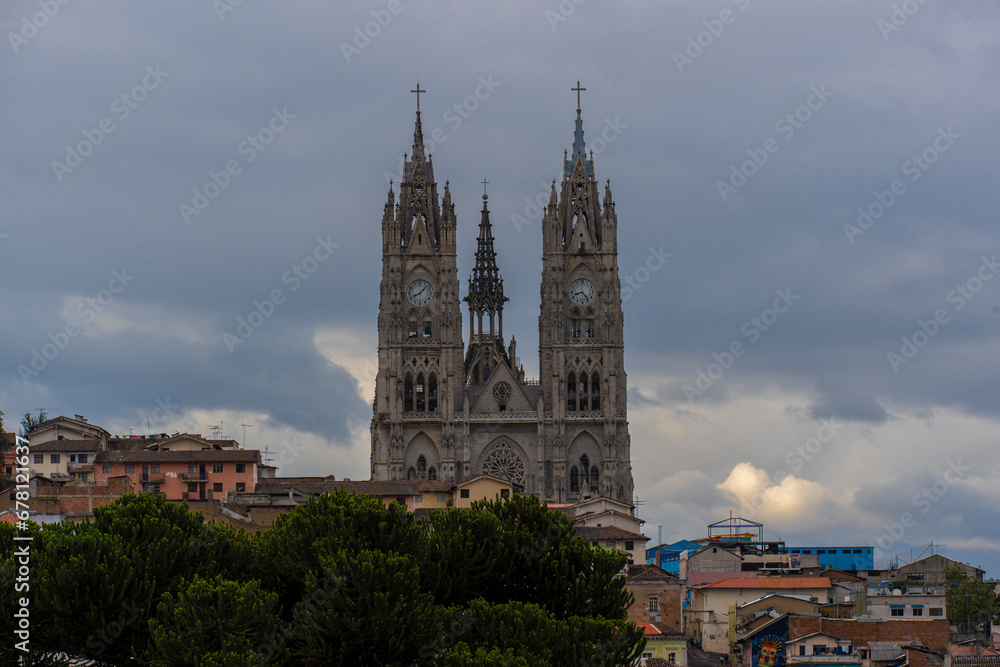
(245, 427)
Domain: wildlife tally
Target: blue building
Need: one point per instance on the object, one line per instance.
(840, 558)
(668, 556)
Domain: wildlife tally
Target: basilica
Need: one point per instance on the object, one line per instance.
(447, 409)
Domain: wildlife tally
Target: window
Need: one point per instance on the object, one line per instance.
(154, 468)
(672, 658)
(918, 611)
(192, 468)
(432, 394)
(401, 500)
(192, 487)
(408, 394)
(595, 392)
(936, 611)
(654, 605)
(53, 458)
(412, 328)
(217, 467)
(241, 467)
(419, 391)
(72, 458)
(857, 551)
(610, 543)
(217, 487)
(588, 327)
(574, 330)
(107, 468)
(574, 480)
(241, 487)
(595, 481)
(411, 474)
(83, 458)
(419, 498)
(441, 498)
(39, 458)
(821, 551)
(421, 467)
(571, 392)
(464, 493)
(896, 611)
(432, 473)
(629, 545)
(646, 655)
(427, 324)
(802, 649)
(129, 469)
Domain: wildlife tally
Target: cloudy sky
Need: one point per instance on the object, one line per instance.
(823, 176)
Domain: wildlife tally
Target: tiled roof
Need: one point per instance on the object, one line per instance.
(84, 445)
(695, 579)
(437, 485)
(649, 573)
(659, 662)
(9, 518)
(383, 488)
(209, 455)
(771, 582)
(608, 533)
(657, 629)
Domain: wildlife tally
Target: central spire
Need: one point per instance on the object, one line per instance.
(485, 295)
(418, 131)
(579, 147)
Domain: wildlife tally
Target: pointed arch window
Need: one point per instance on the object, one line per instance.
(574, 480)
(595, 481)
(571, 392)
(421, 467)
(595, 391)
(432, 394)
(432, 473)
(585, 463)
(411, 474)
(574, 329)
(408, 393)
(588, 325)
(421, 398)
(427, 324)
(584, 390)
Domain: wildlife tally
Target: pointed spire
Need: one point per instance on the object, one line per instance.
(579, 146)
(485, 283)
(418, 131)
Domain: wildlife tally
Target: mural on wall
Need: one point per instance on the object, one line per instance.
(769, 645)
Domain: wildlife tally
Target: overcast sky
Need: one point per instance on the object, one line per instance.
(167, 165)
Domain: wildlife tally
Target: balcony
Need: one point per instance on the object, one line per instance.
(152, 477)
(80, 467)
(195, 477)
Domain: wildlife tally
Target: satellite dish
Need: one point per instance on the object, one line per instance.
(896, 591)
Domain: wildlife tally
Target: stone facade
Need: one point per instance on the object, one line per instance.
(447, 410)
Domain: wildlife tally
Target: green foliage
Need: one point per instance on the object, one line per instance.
(366, 611)
(217, 623)
(972, 605)
(342, 579)
(324, 526)
(30, 422)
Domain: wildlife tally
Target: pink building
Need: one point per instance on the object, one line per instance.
(183, 474)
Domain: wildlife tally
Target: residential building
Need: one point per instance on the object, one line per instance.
(633, 544)
(70, 501)
(483, 487)
(912, 601)
(663, 642)
(820, 648)
(65, 428)
(65, 460)
(931, 569)
(202, 474)
(711, 605)
(656, 595)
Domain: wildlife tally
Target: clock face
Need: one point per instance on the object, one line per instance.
(582, 292)
(419, 292)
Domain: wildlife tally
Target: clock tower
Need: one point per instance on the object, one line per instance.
(420, 363)
(581, 342)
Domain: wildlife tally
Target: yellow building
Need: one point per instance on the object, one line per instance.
(484, 487)
(664, 643)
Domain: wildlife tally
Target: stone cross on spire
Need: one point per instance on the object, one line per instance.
(418, 91)
(578, 90)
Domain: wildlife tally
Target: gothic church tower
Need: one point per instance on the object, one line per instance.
(444, 411)
(420, 371)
